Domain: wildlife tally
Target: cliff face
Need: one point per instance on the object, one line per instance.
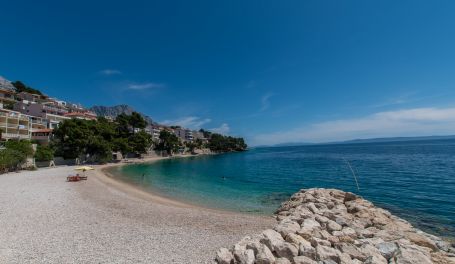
(114, 111)
(322, 226)
(6, 85)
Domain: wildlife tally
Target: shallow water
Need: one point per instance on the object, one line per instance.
(415, 180)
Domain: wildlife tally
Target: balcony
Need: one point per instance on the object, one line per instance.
(15, 136)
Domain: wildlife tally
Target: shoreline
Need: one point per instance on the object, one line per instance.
(133, 189)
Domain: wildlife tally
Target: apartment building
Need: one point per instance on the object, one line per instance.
(184, 134)
(14, 125)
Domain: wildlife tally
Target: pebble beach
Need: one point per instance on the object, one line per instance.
(45, 219)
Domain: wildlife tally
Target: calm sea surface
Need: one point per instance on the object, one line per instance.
(415, 180)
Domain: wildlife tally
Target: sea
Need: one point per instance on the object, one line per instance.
(413, 179)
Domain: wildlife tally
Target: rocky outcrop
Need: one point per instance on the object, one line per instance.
(325, 226)
(114, 111)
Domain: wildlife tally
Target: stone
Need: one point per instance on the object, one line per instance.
(303, 260)
(349, 197)
(321, 219)
(317, 241)
(286, 250)
(264, 255)
(387, 249)
(313, 208)
(411, 254)
(287, 226)
(375, 260)
(352, 251)
(282, 261)
(326, 253)
(294, 239)
(271, 238)
(344, 258)
(310, 224)
(373, 255)
(333, 226)
(305, 249)
(422, 241)
(244, 256)
(224, 256)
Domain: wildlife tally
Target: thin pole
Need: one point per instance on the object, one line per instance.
(353, 173)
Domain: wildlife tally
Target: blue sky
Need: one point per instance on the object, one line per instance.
(271, 71)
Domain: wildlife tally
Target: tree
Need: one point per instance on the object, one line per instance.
(168, 142)
(140, 142)
(44, 153)
(220, 143)
(21, 87)
(14, 154)
(137, 121)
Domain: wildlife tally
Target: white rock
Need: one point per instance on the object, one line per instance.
(305, 249)
(282, 261)
(387, 249)
(286, 227)
(326, 253)
(410, 254)
(244, 256)
(333, 226)
(271, 238)
(264, 255)
(286, 250)
(311, 224)
(303, 260)
(224, 256)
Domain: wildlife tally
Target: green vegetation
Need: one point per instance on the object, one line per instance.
(21, 87)
(168, 142)
(14, 154)
(220, 143)
(76, 138)
(44, 153)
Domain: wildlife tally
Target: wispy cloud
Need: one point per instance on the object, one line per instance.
(223, 129)
(144, 86)
(109, 72)
(406, 122)
(265, 101)
(192, 122)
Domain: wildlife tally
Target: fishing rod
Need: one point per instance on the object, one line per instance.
(353, 174)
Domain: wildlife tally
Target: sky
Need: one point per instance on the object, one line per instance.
(269, 71)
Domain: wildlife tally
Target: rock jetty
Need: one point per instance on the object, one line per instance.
(328, 226)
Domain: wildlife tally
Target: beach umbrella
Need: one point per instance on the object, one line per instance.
(84, 168)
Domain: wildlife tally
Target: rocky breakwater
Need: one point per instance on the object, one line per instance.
(328, 226)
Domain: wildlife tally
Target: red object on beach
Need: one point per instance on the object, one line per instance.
(74, 178)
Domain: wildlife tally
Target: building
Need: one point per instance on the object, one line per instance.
(6, 97)
(42, 136)
(87, 115)
(184, 134)
(14, 125)
(28, 97)
(52, 112)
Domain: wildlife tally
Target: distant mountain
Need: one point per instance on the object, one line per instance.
(367, 140)
(394, 139)
(114, 111)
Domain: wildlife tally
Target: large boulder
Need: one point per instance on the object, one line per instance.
(224, 256)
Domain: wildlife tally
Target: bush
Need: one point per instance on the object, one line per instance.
(15, 154)
(44, 153)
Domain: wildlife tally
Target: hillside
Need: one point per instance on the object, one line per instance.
(114, 111)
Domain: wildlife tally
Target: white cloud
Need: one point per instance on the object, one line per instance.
(407, 122)
(192, 122)
(144, 86)
(265, 101)
(109, 72)
(223, 129)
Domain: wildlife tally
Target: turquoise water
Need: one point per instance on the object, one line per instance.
(415, 180)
